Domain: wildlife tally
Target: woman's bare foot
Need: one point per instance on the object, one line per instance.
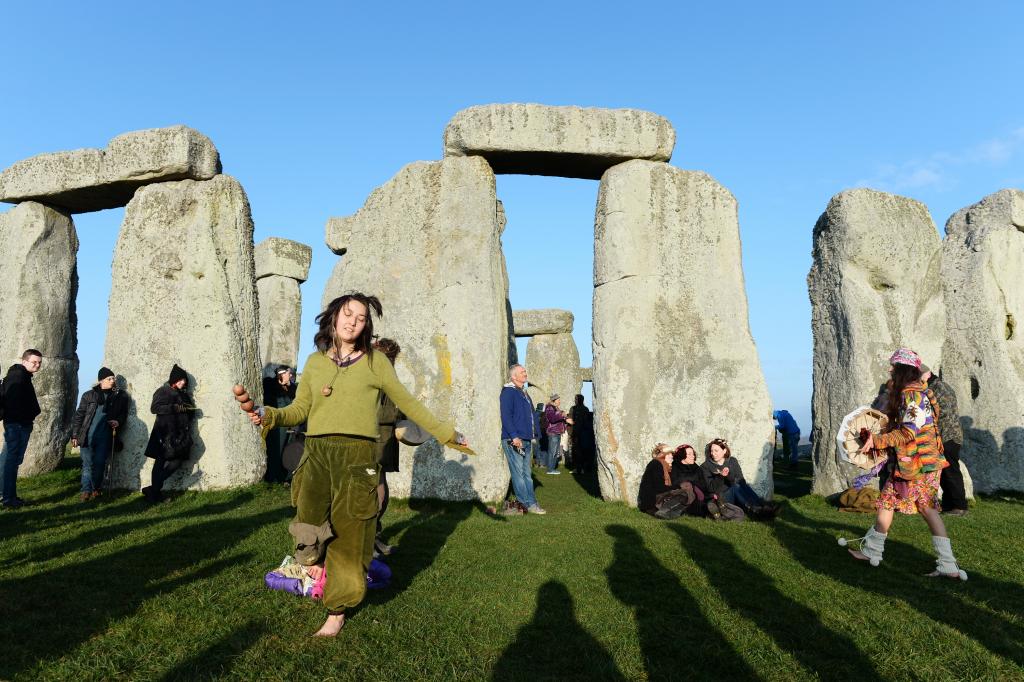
(332, 626)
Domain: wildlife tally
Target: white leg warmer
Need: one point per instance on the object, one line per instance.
(873, 546)
(946, 563)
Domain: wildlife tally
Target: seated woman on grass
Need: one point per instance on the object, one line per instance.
(686, 470)
(659, 496)
(725, 479)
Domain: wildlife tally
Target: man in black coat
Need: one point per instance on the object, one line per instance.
(102, 410)
(20, 408)
(170, 442)
(278, 391)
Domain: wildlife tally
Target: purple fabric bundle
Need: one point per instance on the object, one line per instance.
(276, 581)
(378, 576)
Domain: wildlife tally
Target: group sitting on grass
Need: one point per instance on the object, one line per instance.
(673, 484)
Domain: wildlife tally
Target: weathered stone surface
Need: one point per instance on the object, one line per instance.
(38, 284)
(184, 291)
(570, 142)
(280, 318)
(553, 363)
(983, 357)
(86, 180)
(427, 243)
(277, 256)
(674, 360)
(586, 374)
(541, 321)
(874, 286)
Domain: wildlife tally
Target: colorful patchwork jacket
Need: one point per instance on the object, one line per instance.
(916, 438)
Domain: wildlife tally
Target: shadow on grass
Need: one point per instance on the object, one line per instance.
(942, 600)
(52, 612)
(748, 591)
(99, 535)
(588, 481)
(214, 662)
(674, 634)
(554, 646)
(792, 483)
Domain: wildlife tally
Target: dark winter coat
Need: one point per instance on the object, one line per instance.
(388, 415)
(19, 396)
(717, 483)
(652, 484)
(116, 405)
(172, 432)
(693, 474)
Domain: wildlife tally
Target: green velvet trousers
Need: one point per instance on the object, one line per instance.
(336, 481)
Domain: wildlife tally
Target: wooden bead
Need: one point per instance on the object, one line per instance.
(238, 389)
(326, 391)
(247, 406)
(242, 397)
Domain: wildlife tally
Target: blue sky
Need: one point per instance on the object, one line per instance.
(313, 105)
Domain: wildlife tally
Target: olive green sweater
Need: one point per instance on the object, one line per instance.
(351, 408)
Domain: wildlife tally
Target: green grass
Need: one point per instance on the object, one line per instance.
(593, 590)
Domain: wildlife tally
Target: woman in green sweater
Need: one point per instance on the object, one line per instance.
(336, 480)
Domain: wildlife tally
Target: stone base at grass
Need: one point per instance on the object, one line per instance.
(184, 292)
(427, 243)
(690, 373)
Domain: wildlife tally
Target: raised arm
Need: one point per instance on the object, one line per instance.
(412, 408)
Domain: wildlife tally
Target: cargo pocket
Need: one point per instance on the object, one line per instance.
(296, 482)
(361, 490)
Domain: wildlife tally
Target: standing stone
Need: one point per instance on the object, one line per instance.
(281, 266)
(553, 363)
(570, 142)
(542, 321)
(674, 360)
(38, 285)
(93, 179)
(427, 244)
(983, 358)
(874, 287)
(184, 292)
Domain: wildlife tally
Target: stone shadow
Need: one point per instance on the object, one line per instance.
(56, 610)
(676, 638)
(554, 645)
(794, 627)
(901, 578)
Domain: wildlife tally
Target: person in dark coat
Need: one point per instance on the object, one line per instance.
(20, 409)
(278, 391)
(170, 442)
(686, 470)
(725, 479)
(656, 479)
(101, 412)
(582, 437)
(388, 415)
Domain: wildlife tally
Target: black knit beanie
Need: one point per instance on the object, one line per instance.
(104, 373)
(177, 374)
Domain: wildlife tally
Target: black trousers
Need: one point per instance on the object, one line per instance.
(952, 480)
(163, 468)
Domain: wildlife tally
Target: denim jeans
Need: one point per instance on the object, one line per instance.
(522, 478)
(15, 443)
(94, 462)
(790, 446)
(535, 452)
(554, 450)
(742, 495)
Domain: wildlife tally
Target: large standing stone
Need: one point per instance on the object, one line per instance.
(427, 243)
(184, 292)
(92, 179)
(281, 265)
(570, 142)
(553, 363)
(674, 360)
(874, 286)
(541, 321)
(983, 358)
(38, 284)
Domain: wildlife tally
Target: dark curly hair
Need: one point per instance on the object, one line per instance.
(720, 442)
(327, 320)
(388, 347)
(901, 376)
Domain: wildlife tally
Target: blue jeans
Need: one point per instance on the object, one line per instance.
(742, 495)
(535, 451)
(522, 478)
(94, 463)
(554, 451)
(15, 443)
(790, 446)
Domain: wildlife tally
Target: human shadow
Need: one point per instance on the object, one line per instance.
(750, 592)
(215, 660)
(67, 605)
(554, 645)
(588, 481)
(661, 605)
(939, 599)
(99, 534)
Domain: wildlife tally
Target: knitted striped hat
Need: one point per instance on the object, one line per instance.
(905, 356)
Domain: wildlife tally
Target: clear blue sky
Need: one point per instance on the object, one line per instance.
(313, 105)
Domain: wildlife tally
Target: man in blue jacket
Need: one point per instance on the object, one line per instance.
(517, 432)
(790, 435)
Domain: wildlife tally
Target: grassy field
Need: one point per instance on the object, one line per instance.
(116, 590)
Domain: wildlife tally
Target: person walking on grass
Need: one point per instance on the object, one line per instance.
(170, 442)
(913, 484)
(556, 422)
(101, 412)
(516, 431)
(335, 483)
(20, 409)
